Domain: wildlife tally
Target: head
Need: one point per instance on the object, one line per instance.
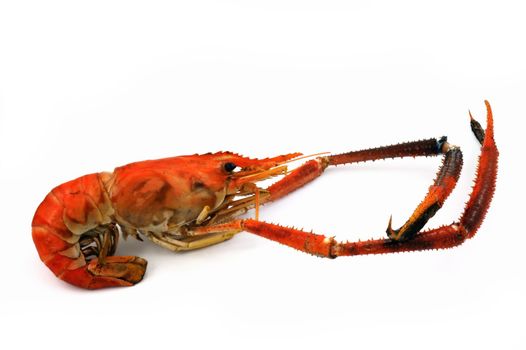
(169, 192)
(236, 171)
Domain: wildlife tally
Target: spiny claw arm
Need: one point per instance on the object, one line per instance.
(440, 238)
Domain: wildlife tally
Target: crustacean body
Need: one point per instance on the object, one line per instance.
(191, 202)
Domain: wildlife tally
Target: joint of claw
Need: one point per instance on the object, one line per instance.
(445, 146)
(442, 145)
(334, 246)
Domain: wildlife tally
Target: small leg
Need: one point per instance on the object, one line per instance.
(196, 241)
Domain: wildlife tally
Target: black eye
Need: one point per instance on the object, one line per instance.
(229, 167)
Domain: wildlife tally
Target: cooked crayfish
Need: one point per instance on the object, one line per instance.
(190, 202)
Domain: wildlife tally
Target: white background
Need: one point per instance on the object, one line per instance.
(87, 87)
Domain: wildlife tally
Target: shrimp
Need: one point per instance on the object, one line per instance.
(191, 202)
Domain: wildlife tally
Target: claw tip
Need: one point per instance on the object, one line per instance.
(389, 226)
(489, 122)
